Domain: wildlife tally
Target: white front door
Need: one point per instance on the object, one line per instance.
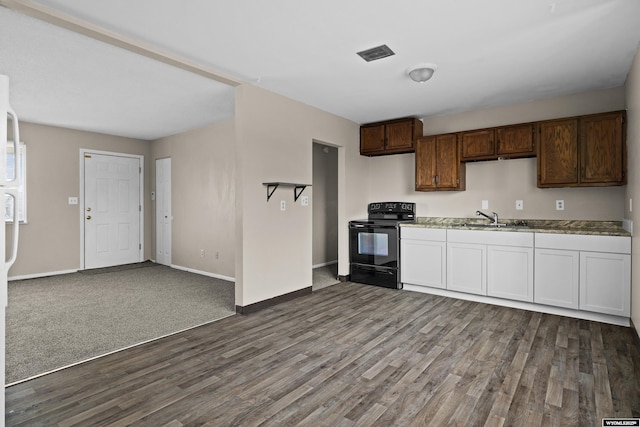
(163, 211)
(112, 210)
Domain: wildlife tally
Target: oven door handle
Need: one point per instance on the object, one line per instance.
(390, 227)
(376, 268)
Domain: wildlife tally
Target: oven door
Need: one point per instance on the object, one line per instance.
(374, 245)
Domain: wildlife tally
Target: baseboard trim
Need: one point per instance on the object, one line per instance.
(204, 273)
(324, 264)
(41, 275)
(257, 306)
(345, 278)
(578, 314)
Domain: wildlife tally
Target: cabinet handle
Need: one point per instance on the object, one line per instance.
(433, 179)
(437, 179)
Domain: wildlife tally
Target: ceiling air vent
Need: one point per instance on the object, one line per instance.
(375, 53)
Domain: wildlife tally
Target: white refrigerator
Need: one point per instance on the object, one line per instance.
(9, 187)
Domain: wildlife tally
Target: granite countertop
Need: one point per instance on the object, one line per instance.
(601, 228)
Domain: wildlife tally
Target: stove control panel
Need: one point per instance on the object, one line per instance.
(391, 207)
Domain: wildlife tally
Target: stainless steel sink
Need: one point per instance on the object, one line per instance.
(495, 226)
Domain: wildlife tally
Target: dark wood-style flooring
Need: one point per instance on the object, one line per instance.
(349, 355)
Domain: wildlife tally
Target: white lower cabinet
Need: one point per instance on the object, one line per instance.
(423, 263)
(584, 272)
(493, 263)
(589, 273)
(466, 268)
(557, 278)
(423, 257)
(605, 283)
(510, 272)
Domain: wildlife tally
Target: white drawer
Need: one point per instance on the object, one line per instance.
(488, 237)
(581, 242)
(418, 233)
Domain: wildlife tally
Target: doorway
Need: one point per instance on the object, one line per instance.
(112, 210)
(163, 211)
(325, 215)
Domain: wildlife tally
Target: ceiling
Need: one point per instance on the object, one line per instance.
(488, 53)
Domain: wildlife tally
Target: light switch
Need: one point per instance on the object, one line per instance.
(519, 205)
(73, 200)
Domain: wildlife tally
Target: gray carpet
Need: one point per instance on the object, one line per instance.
(56, 321)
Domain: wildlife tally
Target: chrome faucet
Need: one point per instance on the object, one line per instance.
(494, 220)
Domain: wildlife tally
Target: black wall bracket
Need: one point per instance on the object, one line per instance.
(297, 188)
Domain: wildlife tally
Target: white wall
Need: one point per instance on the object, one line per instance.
(202, 197)
(503, 182)
(633, 188)
(50, 241)
(274, 138)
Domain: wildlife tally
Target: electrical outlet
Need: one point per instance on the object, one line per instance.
(485, 204)
(304, 200)
(73, 200)
(283, 205)
(202, 253)
(559, 205)
(519, 205)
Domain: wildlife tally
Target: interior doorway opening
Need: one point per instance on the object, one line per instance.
(325, 215)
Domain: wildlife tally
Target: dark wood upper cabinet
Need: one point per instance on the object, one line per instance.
(497, 143)
(516, 141)
(390, 137)
(477, 145)
(372, 139)
(438, 166)
(558, 153)
(583, 151)
(603, 149)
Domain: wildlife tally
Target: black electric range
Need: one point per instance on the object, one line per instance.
(374, 244)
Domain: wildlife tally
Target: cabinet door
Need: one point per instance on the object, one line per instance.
(399, 136)
(605, 283)
(510, 272)
(371, 139)
(447, 162)
(423, 263)
(516, 141)
(466, 268)
(426, 163)
(556, 278)
(558, 153)
(477, 145)
(602, 149)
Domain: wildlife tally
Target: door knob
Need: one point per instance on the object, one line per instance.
(88, 216)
